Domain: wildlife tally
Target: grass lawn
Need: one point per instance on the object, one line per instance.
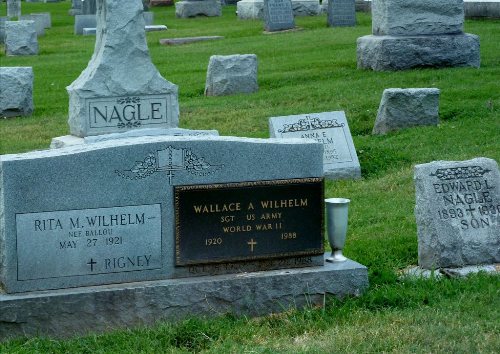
(313, 70)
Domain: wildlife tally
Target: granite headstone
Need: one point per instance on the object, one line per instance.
(193, 8)
(426, 33)
(231, 74)
(278, 15)
(20, 38)
(84, 226)
(406, 108)
(121, 89)
(16, 91)
(340, 160)
(458, 213)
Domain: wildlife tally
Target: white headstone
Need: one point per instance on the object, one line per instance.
(340, 160)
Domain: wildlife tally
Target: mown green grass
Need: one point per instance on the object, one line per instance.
(313, 70)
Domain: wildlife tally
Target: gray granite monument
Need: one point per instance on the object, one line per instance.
(407, 34)
(341, 13)
(458, 213)
(340, 160)
(121, 89)
(16, 91)
(406, 108)
(278, 15)
(231, 74)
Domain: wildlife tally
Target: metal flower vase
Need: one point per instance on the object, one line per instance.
(336, 218)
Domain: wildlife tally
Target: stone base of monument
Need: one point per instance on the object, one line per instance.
(295, 29)
(254, 9)
(71, 140)
(419, 272)
(385, 53)
(63, 313)
(209, 8)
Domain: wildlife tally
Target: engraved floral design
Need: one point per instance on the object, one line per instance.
(459, 172)
(128, 100)
(309, 123)
(195, 163)
(122, 125)
(167, 160)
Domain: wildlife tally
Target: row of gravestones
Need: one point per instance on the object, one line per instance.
(19, 32)
(147, 205)
(147, 201)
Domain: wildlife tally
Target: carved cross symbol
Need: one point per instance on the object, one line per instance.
(251, 243)
(470, 209)
(91, 264)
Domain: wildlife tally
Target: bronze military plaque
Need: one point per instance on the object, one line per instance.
(248, 221)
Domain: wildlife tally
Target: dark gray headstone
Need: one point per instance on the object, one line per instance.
(278, 15)
(458, 213)
(89, 7)
(341, 13)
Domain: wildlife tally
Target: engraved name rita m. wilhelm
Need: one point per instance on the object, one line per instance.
(170, 160)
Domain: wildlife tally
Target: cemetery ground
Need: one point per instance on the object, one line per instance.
(313, 70)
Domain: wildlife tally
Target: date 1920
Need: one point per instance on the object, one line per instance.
(214, 241)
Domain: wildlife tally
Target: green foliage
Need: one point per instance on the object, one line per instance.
(313, 70)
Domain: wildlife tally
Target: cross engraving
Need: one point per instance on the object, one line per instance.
(470, 210)
(251, 243)
(91, 264)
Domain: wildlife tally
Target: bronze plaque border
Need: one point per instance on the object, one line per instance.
(311, 252)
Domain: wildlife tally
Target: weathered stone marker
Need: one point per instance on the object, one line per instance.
(16, 91)
(341, 13)
(193, 8)
(340, 160)
(121, 89)
(20, 38)
(405, 108)
(458, 213)
(278, 15)
(231, 74)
